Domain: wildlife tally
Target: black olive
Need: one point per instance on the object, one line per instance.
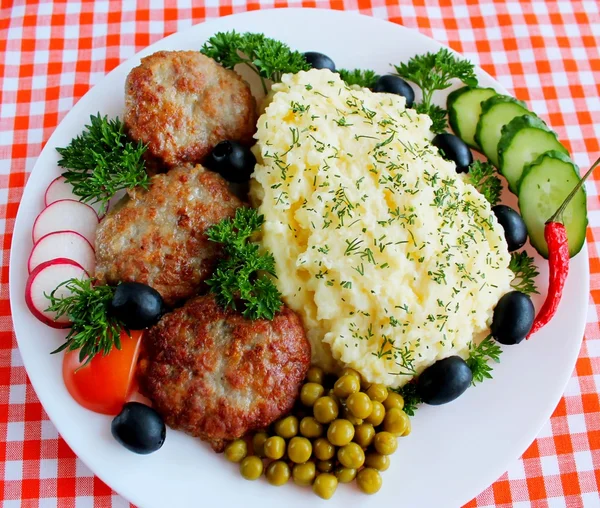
(454, 149)
(139, 428)
(513, 318)
(137, 305)
(319, 61)
(396, 85)
(232, 160)
(515, 230)
(444, 381)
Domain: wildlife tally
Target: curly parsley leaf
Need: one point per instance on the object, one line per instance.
(361, 77)
(267, 57)
(482, 175)
(240, 277)
(522, 265)
(223, 47)
(410, 396)
(102, 160)
(435, 71)
(437, 115)
(479, 356)
(94, 330)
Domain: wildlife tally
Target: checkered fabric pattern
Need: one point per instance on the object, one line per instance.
(546, 52)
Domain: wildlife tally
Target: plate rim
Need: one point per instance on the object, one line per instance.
(81, 104)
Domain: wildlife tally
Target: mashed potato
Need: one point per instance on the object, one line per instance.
(391, 259)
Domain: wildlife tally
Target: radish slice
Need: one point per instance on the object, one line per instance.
(60, 189)
(66, 215)
(63, 244)
(45, 279)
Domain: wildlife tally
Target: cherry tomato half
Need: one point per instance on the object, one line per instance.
(105, 383)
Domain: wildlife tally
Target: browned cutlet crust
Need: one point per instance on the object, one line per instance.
(157, 237)
(216, 375)
(182, 103)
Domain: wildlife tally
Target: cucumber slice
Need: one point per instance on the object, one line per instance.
(464, 109)
(523, 139)
(496, 112)
(545, 184)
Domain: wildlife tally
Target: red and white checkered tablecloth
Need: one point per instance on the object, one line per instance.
(546, 52)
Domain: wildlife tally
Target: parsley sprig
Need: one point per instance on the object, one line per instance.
(435, 71)
(94, 330)
(482, 175)
(479, 356)
(267, 57)
(410, 396)
(525, 272)
(436, 113)
(362, 77)
(240, 275)
(102, 160)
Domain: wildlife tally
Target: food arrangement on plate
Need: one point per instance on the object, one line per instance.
(287, 281)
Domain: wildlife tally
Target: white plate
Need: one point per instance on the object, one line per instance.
(454, 452)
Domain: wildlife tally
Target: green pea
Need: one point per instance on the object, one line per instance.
(304, 474)
(347, 415)
(274, 447)
(323, 449)
(325, 466)
(369, 480)
(286, 427)
(315, 375)
(325, 410)
(408, 429)
(364, 434)
(309, 427)
(345, 474)
(396, 421)
(360, 405)
(325, 485)
(351, 455)
(377, 461)
(236, 450)
(310, 392)
(299, 449)
(347, 371)
(385, 443)
(278, 473)
(251, 467)
(258, 443)
(346, 385)
(393, 400)
(377, 414)
(340, 432)
(377, 392)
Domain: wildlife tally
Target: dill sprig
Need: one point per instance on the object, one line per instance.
(479, 356)
(267, 57)
(482, 175)
(410, 396)
(240, 275)
(94, 330)
(435, 71)
(102, 160)
(362, 77)
(522, 265)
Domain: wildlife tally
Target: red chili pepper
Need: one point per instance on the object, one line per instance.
(558, 258)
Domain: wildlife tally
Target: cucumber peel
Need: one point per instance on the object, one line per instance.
(545, 184)
(522, 141)
(496, 112)
(464, 110)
